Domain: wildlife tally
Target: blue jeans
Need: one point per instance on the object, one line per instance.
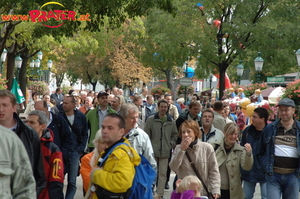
(73, 166)
(249, 189)
(286, 185)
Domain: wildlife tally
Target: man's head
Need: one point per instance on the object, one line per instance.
(69, 103)
(286, 109)
(137, 100)
(130, 113)
(260, 117)
(88, 102)
(41, 106)
(150, 99)
(115, 91)
(58, 90)
(115, 103)
(162, 107)
(207, 118)
(83, 95)
(218, 106)
(46, 98)
(102, 98)
(194, 108)
(121, 92)
(168, 98)
(8, 105)
(113, 128)
(212, 100)
(145, 91)
(37, 120)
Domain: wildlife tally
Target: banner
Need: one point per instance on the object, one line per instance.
(15, 89)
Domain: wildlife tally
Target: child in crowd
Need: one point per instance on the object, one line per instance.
(188, 188)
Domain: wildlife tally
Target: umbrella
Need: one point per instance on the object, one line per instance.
(273, 94)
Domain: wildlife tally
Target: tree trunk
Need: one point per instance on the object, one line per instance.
(222, 71)
(169, 80)
(94, 85)
(22, 74)
(10, 69)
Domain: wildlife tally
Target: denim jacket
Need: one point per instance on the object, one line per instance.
(265, 151)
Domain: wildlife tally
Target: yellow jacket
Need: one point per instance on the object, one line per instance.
(118, 171)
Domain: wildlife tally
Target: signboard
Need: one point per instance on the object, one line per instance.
(185, 81)
(275, 79)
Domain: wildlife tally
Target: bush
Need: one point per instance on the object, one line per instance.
(65, 89)
(159, 90)
(40, 87)
(3, 82)
(181, 90)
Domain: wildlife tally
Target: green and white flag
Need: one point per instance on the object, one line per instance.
(15, 89)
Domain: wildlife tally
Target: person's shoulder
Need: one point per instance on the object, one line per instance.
(7, 133)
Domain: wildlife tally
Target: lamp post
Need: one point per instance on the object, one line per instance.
(37, 63)
(258, 63)
(18, 64)
(298, 61)
(3, 58)
(49, 65)
(210, 80)
(239, 71)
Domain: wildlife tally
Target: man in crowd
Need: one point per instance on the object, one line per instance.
(78, 124)
(157, 125)
(278, 153)
(137, 137)
(191, 114)
(210, 134)
(150, 106)
(18, 181)
(57, 96)
(95, 117)
(172, 109)
(87, 105)
(10, 120)
(137, 100)
(115, 91)
(117, 173)
(59, 126)
(115, 103)
(52, 156)
(83, 96)
(251, 135)
(144, 94)
(219, 120)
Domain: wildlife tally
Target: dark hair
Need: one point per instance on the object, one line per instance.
(149, 97)
(262, 113)
(57, 89)
(34, 94)
(238, 106)
(218, 106)
(167, 94)
(73, 100)
(192, 104)
(71, 91)
(197, 96)
(208, 105)
(161, 101)
(121, 123)
(136, 98)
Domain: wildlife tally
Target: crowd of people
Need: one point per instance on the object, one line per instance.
(209, 145)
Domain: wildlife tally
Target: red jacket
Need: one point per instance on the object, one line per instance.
(54, 168)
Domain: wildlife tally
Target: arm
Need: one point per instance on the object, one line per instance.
(117, 174)
(25, 188)
(214, 178)
(56, 177)
(246, 158)
(176, 159)
(176, 114)
(174, 135)
(148, 151)
(147, 128)
(84, 134)
(66, 136)
(85, 171)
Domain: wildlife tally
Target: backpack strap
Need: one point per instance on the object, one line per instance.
(101, 161)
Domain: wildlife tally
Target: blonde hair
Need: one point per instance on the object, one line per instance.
(230, 128)
(187, 180)
(96, 141)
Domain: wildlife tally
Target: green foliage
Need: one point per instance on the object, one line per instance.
(292, 91)
(40, 87)
(159, 90)
(3, 82)
(65, 89)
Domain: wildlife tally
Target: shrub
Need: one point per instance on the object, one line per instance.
(159, 90)
(3, 81)
(40, 87)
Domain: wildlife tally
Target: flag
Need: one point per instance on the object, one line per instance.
(15, 89)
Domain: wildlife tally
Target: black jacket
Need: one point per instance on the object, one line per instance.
(32, 144)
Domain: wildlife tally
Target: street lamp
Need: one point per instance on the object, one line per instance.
(239, 71)
(49, 65)
(40, 55)
(258, 63)
(3, 58)
(298, 61)
(18, 64)
(37, 63)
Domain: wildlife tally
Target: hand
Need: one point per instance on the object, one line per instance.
(178, 182)
(185, 143)
(216, 195)
(248, 148)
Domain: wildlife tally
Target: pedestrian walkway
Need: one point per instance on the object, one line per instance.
(79, 193)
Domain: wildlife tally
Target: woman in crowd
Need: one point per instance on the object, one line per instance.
(30, 105)
(202, 155)
(231, 156)
(89, 161)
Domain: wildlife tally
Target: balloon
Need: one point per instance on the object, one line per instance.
(217, 23)
(232, 106)
(190, 72)
(200, 6)
(266, 106)
(250, 109)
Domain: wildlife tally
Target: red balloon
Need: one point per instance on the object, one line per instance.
(217, 23)
(232, 106)
(266, 106)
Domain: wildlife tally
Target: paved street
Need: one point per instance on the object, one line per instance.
(79, 194)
